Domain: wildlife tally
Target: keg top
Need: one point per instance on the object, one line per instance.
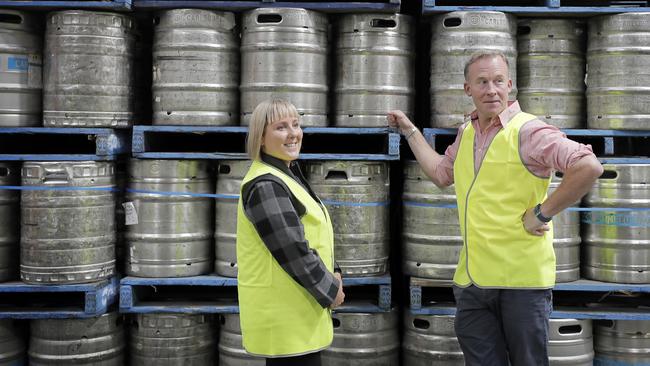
(459, 21)
(285, 18)
(90, 19)
(195, 18)
(370, 22)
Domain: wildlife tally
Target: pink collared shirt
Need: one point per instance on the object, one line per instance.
(543, 148)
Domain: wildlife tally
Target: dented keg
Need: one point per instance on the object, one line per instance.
(88, 69)
(67, 228)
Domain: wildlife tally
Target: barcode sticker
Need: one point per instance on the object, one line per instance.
(130, 213)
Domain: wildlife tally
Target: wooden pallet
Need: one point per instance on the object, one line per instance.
(385, 6)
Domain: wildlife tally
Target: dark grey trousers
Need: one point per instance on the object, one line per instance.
(310, 359)
(503, 327)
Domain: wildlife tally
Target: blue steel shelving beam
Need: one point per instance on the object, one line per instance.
(118, 5)
(392, 6)
(551, 7)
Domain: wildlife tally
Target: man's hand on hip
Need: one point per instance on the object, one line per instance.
(532, 224)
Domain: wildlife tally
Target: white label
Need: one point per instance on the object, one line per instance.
(130, 213)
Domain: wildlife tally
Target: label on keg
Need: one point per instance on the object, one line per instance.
(34, 74)
(131, 215)
(17, 63)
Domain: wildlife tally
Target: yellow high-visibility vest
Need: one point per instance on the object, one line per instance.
(497, 251)
(278, 316)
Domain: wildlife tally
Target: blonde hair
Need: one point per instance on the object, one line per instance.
(266, 112)
(481, 55)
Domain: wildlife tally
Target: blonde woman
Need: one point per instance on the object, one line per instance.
(285, 247)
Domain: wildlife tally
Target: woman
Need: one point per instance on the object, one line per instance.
(285, 255)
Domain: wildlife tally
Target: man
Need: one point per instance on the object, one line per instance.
(501, 165)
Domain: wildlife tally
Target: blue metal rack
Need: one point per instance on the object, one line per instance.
(548, 8)
(133, 300)
(609, 138)
(58, 144)
(391, 6)
(319, 143)
(558, 313)
(116, 5)
(18, 300)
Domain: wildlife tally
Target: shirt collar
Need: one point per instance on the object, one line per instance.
(504, 117)
(276, 163)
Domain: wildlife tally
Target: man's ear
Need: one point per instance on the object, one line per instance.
(466, 87)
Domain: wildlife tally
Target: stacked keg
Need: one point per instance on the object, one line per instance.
(92, 341)
(67, 222)
(455, 37)
(551, 69)
(566, 240)
(21, 83)
(284, 54)
(431, 240)
(231, 348)
(195, 68)
(618, 57)
(172, 339)
(356, 196)
(375, 55)
(230, 174)
(617, 241)
(172, 233)
(88, 69)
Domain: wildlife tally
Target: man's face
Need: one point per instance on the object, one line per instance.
(488, 83)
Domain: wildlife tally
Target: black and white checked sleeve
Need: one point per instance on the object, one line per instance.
(270, 210)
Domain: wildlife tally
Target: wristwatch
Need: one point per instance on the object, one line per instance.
(538, 213)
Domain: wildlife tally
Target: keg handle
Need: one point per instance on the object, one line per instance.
(10, 18)
(523, 30)
(609, 174)
(452, 22)
(55, 176)
(570, 330)
(269, 18)
(383, 23)
(4, 172)
(336, 175)
(336, 322)
(421, 323)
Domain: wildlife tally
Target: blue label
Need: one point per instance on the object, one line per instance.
(17, 63)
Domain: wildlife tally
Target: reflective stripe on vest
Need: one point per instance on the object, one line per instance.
(278, 316)
(497, 251)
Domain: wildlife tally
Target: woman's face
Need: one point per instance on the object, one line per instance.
(282, 139)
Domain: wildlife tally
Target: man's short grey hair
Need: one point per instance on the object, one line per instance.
(481, 55)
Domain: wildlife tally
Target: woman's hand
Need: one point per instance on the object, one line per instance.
(340, 296)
